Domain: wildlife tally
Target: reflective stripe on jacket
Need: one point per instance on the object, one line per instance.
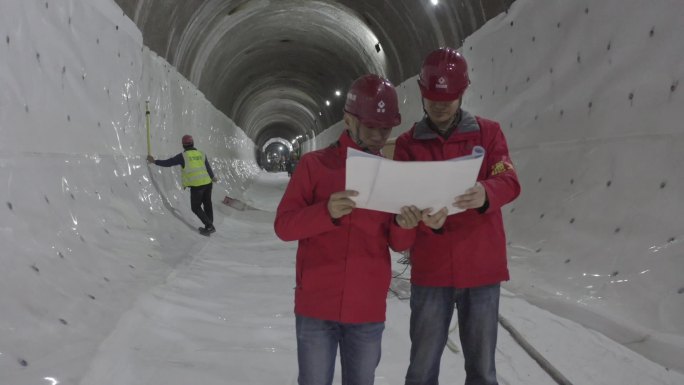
(343, 267)
(470, 249)
(195, 172)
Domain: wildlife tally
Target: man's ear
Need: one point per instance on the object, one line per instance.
(350, 120)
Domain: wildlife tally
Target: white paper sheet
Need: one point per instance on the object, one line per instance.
(388, 185)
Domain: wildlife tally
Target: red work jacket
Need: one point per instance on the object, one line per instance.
(470, 249)
(343, 266)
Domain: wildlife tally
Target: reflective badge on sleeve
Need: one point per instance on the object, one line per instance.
(501, 167)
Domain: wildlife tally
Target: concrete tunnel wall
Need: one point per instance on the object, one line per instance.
(591, 106)
(74, 78)
(591, 103)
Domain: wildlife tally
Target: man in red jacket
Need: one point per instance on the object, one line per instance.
(458, 259)
(343, 262)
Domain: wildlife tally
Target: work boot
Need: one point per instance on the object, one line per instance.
(210, 229)
(204, 231)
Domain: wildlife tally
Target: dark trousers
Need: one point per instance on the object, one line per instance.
(431, 312)
(317, 344)
(201, 197)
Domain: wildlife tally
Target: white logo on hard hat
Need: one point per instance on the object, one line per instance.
(381, 106)
(351, 96)
(441, 83)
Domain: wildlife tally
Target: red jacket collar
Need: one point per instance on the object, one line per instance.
(468, 123)
(345, 141)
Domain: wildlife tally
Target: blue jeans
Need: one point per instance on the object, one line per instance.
(431, 312)
(317, 342)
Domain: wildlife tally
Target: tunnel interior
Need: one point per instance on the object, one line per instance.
(91, 232)
(280, 69)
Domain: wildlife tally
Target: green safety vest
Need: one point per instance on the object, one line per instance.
(195, 172)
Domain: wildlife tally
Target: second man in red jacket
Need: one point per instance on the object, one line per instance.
(460, 259)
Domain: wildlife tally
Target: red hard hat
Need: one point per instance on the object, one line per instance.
(373, 100)
(187, 140)
(444, 75)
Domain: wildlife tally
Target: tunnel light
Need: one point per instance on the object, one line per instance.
(434, 2)
(338, 93)
(327, 102)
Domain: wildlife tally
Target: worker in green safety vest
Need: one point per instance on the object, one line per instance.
(196, 173)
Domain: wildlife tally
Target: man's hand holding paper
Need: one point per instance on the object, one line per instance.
(341, 204)
(474, 198)
(434, 220)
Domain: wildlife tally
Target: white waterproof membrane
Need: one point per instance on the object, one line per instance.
(104, 279)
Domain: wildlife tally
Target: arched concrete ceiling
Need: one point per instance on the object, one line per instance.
(271, 65)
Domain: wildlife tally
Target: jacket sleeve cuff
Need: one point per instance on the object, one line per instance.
(438, 231)
(322, 219)
(401, 239)
(484, 207)
(426, 229)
